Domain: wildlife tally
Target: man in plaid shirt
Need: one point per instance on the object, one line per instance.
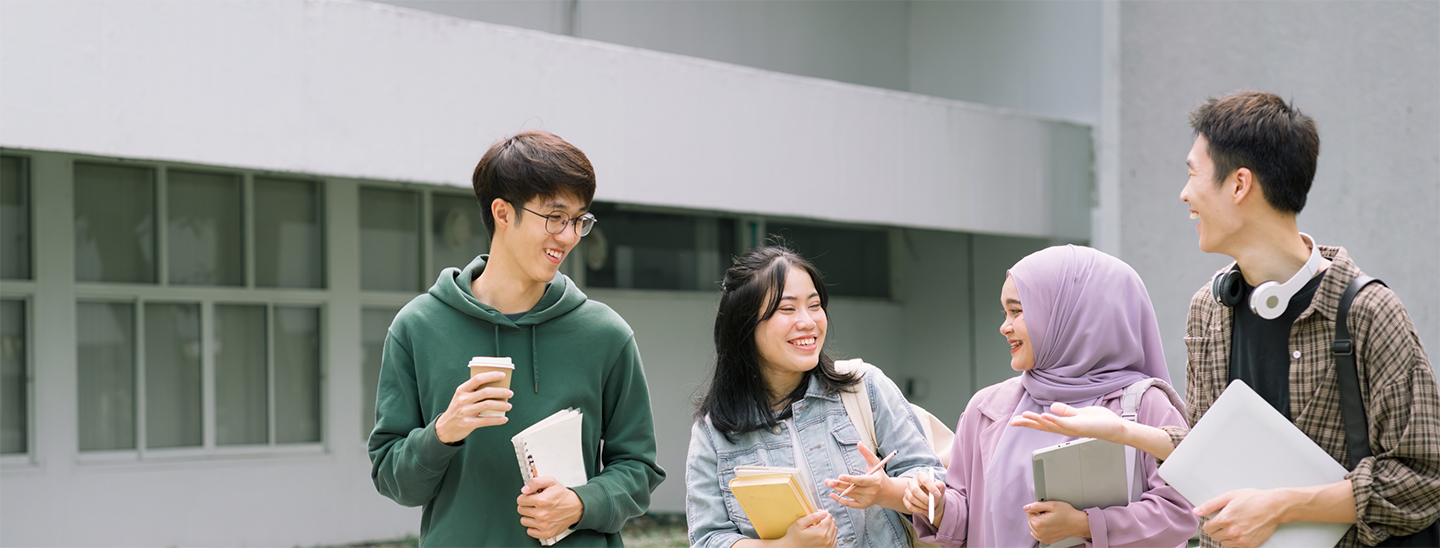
(1251, 167)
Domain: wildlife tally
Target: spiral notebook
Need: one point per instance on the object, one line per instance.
(551, 447)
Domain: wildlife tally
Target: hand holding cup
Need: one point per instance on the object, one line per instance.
(480, 401)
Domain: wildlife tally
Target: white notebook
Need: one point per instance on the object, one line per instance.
(1244, 442)
(551, 447)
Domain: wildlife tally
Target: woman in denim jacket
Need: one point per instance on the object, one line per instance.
(774, 400)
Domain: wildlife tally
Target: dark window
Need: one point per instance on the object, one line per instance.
(854, 261)
(647, 250)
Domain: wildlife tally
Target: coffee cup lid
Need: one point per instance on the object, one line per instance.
(489, 361)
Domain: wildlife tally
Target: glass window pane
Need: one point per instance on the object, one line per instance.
(457, 233)
(297, 375)
(14, 218)
(854, 261)
(105, 340)
(114, 224)
(242, 408)
(14, 383)
(172, 375)
(374, 324)
(289, 249)
(389, 240)
(643, 250)
(204, 229)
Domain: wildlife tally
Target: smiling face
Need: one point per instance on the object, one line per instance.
(1210, 201)
(535, 252)
(1022, 353)
(789, 342)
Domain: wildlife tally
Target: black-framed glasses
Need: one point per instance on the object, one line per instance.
(556, 223)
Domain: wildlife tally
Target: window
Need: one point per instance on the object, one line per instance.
(14, 379)
(164, 367)
(854, 261)
(649, 250)
(105, 337)
(457, 233)
(390, 240)
(114, 224)
(15, 267)
(374, 325)
(297, 374)
(204, 228)
(289, 241)
(172, 375)
(14, 218)
(242, 375)
(400, 256)
(266, 382)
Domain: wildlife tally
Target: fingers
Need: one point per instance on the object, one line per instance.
(1214, 505)
(1024, 421)
(870, 457)
(1062, 409)
(847, 502)
(540, 484)
(1039, 507)
(474, 382)
(812, 519)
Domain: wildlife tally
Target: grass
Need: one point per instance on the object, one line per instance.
(657, 530)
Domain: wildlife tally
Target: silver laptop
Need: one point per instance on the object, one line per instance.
(1086, 473)
(1244, 442)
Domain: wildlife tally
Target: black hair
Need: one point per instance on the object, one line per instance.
(1257, 130)
(737, 399)
(529, 164)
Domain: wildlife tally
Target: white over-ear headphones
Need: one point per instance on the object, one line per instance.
(1270, 298)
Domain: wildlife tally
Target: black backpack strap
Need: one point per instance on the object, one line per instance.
(1352, 407)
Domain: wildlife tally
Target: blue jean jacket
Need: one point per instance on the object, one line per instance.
(829, 439)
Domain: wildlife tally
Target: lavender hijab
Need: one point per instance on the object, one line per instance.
(1092, 332)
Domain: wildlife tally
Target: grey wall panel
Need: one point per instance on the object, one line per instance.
(1367, 72)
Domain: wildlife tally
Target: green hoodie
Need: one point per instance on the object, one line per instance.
(568, 352)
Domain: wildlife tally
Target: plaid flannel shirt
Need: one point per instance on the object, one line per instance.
(1397, 490)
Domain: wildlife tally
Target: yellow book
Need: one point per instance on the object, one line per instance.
(772, 503)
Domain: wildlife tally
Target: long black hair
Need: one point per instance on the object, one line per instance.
(737, 399)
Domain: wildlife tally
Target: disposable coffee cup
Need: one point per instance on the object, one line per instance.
(482, 364)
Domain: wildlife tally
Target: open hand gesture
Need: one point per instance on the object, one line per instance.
(1082, 422)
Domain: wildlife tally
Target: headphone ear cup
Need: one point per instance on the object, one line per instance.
(1227, 288)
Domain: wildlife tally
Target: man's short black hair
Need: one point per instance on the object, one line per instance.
(1257, 130)
(529, 164)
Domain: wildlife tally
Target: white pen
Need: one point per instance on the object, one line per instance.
(930, 497)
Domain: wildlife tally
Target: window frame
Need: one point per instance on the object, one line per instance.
(23, 290)
(207, 297)
(28, 458)
(27, 173)
(138, 295)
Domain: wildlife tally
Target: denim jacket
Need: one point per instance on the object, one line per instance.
(829, 439)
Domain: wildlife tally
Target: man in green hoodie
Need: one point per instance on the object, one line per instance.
(431, 448)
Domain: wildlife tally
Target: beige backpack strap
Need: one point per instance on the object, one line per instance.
(857, 402)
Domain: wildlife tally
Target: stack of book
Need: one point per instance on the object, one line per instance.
(772, 498)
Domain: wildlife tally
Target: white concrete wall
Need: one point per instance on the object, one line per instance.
(1367, 72)
(1037, 56)
(854, 41)
(342, 89)
(370, 90)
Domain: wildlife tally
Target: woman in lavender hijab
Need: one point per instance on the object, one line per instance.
(1081, 329)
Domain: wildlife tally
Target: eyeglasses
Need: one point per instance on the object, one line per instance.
(556, 223)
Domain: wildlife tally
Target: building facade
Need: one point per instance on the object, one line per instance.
(213, 210)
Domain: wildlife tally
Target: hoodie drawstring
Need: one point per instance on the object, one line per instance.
(535, 357)
(534, 353)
